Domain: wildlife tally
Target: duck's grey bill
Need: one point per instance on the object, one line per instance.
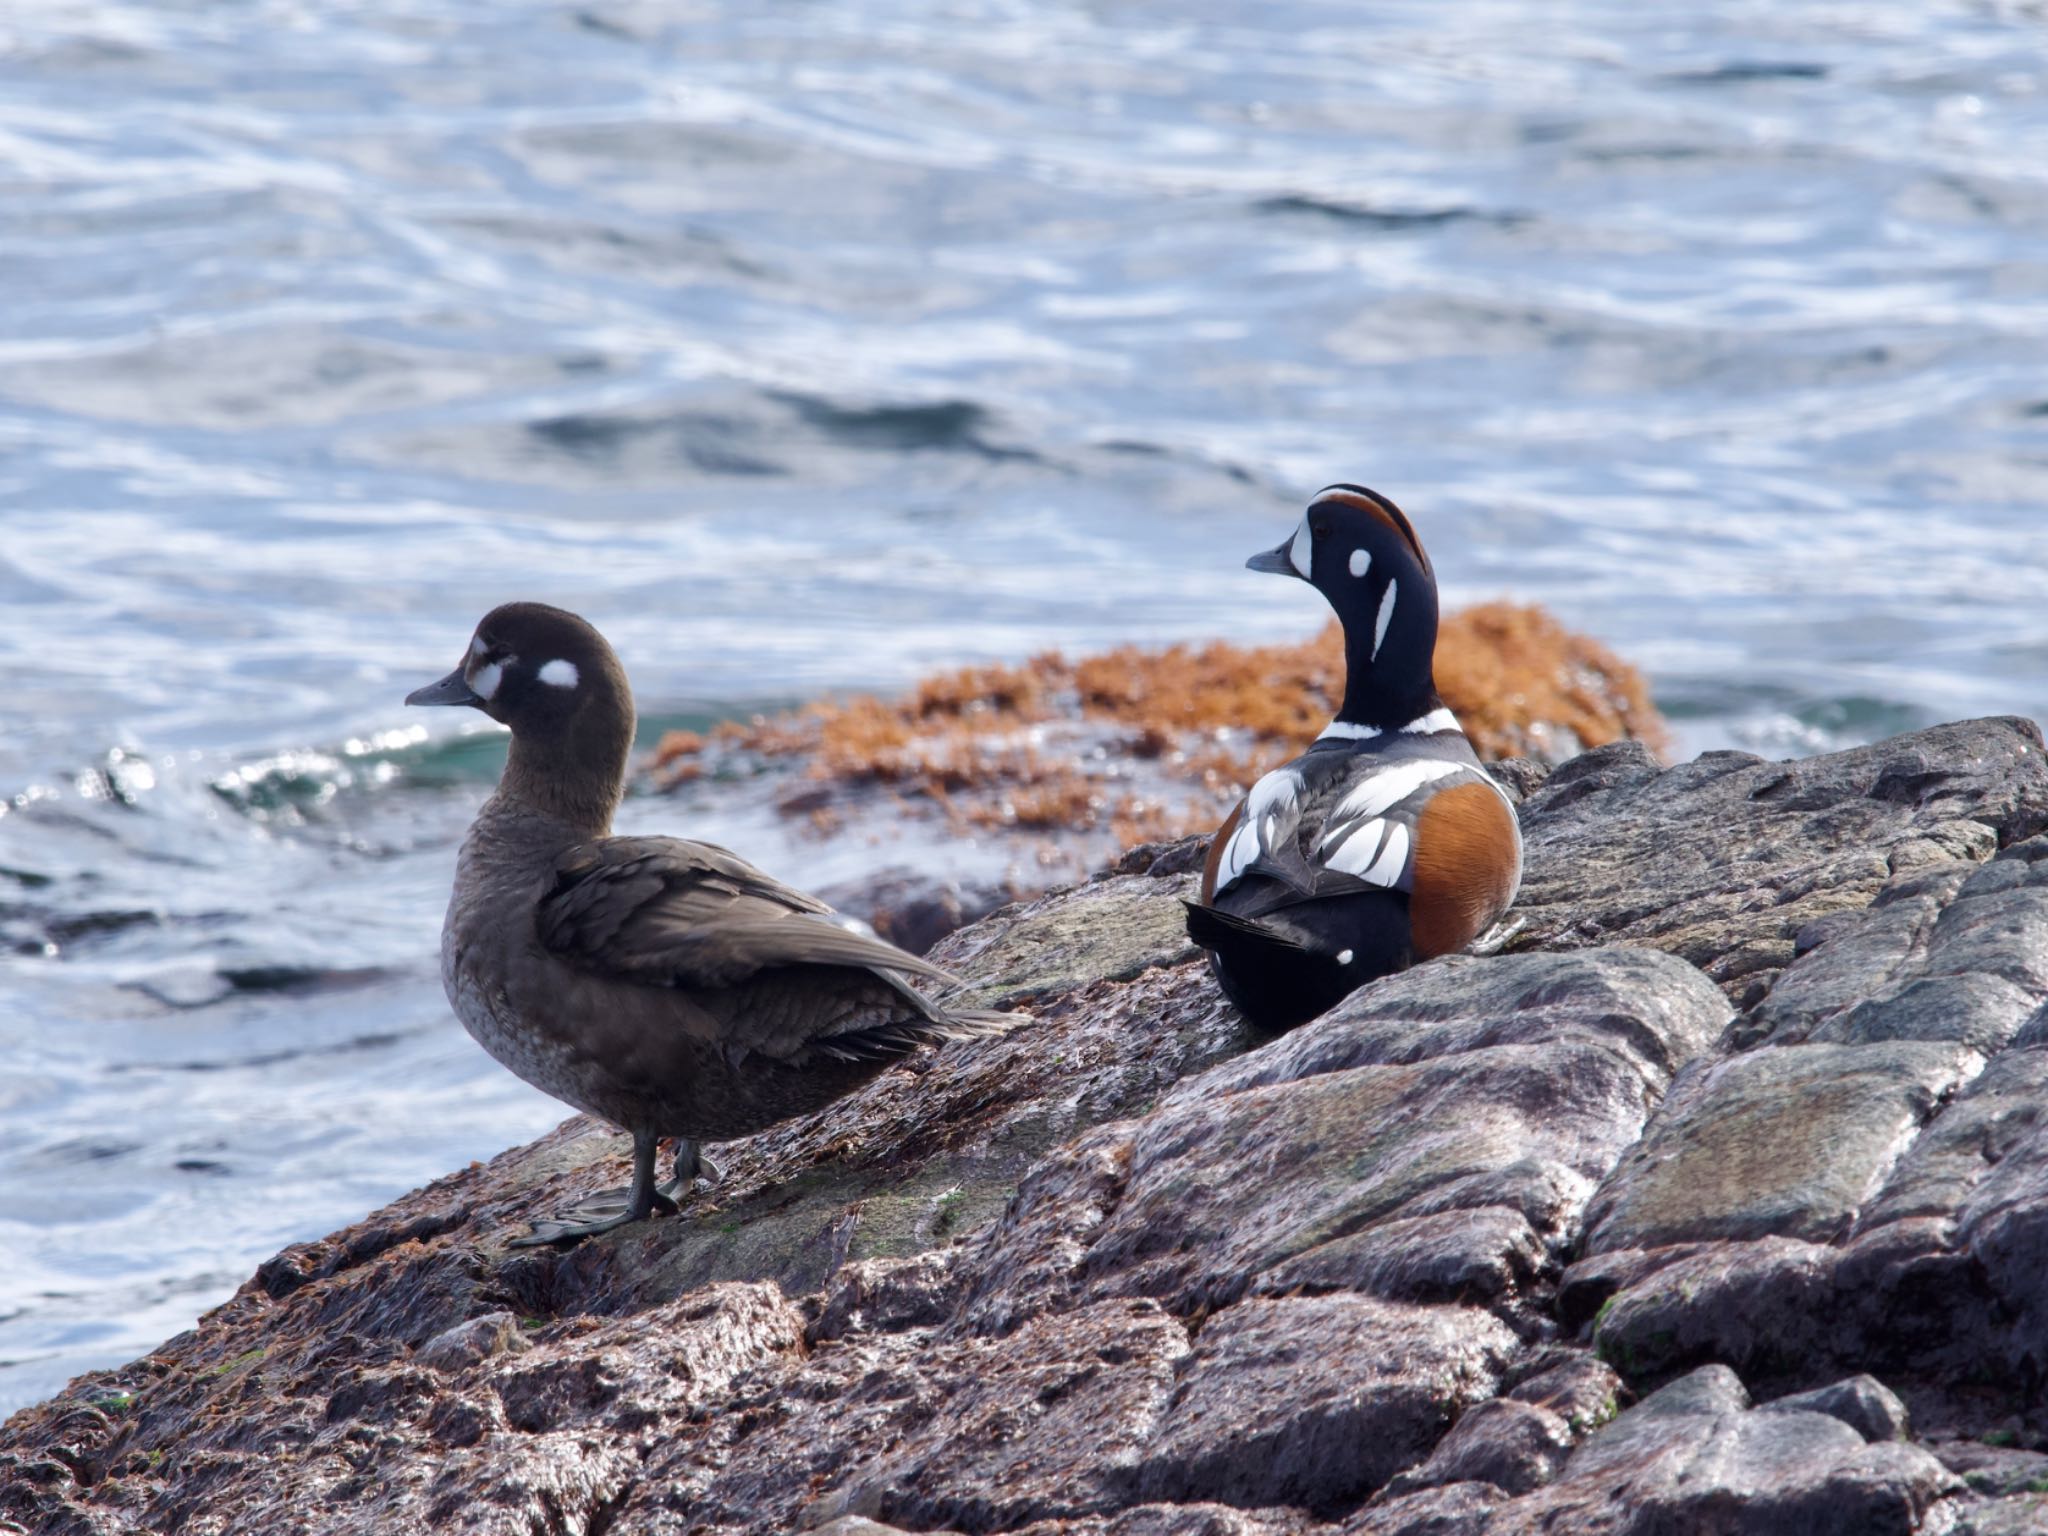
(450, 690)
(1273, 561)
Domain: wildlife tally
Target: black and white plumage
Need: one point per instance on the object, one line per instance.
(1386, 842)
(667, 986)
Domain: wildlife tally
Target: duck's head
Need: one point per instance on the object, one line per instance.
(552, 678)
(1357, 548)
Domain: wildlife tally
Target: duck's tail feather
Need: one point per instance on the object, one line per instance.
(1215, 929)
(899, 1037)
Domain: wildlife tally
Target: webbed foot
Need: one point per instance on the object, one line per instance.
(690, 1166)
(609, 1211)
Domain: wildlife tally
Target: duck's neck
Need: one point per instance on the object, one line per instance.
(576, 778)
(1381, 694)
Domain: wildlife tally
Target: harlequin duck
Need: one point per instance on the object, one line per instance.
(666, 986)
(1385, 842)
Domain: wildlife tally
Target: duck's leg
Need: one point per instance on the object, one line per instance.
(691, 1165)
(608, 1211)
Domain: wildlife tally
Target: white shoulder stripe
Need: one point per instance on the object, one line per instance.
(1382, 791)
(1238, 854)
(1435, 720)
(1345, 730)
(1272, 813)
(1376, 851)
(1275, 795)
(1393, 860)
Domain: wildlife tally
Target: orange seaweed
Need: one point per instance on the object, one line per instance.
(1206, 718)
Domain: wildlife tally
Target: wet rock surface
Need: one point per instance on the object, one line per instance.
(1716, 1200)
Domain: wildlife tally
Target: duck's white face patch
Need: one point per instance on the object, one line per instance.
(1302, 551)
(1344, 956)
(1379, 630)
(559, 674)
(483, 682)
(1361, 562)
(477, 646)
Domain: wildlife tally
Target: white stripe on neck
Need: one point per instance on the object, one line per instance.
(1345, 730)
(1435, 720)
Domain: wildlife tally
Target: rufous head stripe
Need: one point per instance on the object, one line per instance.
(1376, 504)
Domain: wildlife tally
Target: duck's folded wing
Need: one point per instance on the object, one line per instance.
(669, 913)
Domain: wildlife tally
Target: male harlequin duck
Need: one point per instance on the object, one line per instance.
(666, 986)
(1383, 844)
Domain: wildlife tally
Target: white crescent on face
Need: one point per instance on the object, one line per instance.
(1301, 553)
(483, 682)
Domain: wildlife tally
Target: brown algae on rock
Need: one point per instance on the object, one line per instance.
(1135, 745)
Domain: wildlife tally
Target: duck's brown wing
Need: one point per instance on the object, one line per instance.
(664, 912)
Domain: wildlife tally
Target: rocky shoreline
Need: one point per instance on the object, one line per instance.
(1714, 1198)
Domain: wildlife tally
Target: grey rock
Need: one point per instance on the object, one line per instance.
(1137, 1271)
(2021, 1515)
(1189, 1519)
(1879, 1205)
(1646, 1008)
(1956, 952)
(1514, 1445)
(1456, 1509)
(1755, 1305)
(2000, 1471)
(1107, 930)
(1694, 1457)
(889, 1295)
(974, 1434)
(1468, 1104)
(1863, 1403)
(1521, 777)
(1994, 1116)
(1318, 1401)
(1779, 1142)
(1573, 1383)
(1726, 859)
(452, 1349)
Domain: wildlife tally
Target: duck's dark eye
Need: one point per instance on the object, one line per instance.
(1319, 530)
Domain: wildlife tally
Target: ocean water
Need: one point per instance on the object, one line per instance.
(812, 346)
